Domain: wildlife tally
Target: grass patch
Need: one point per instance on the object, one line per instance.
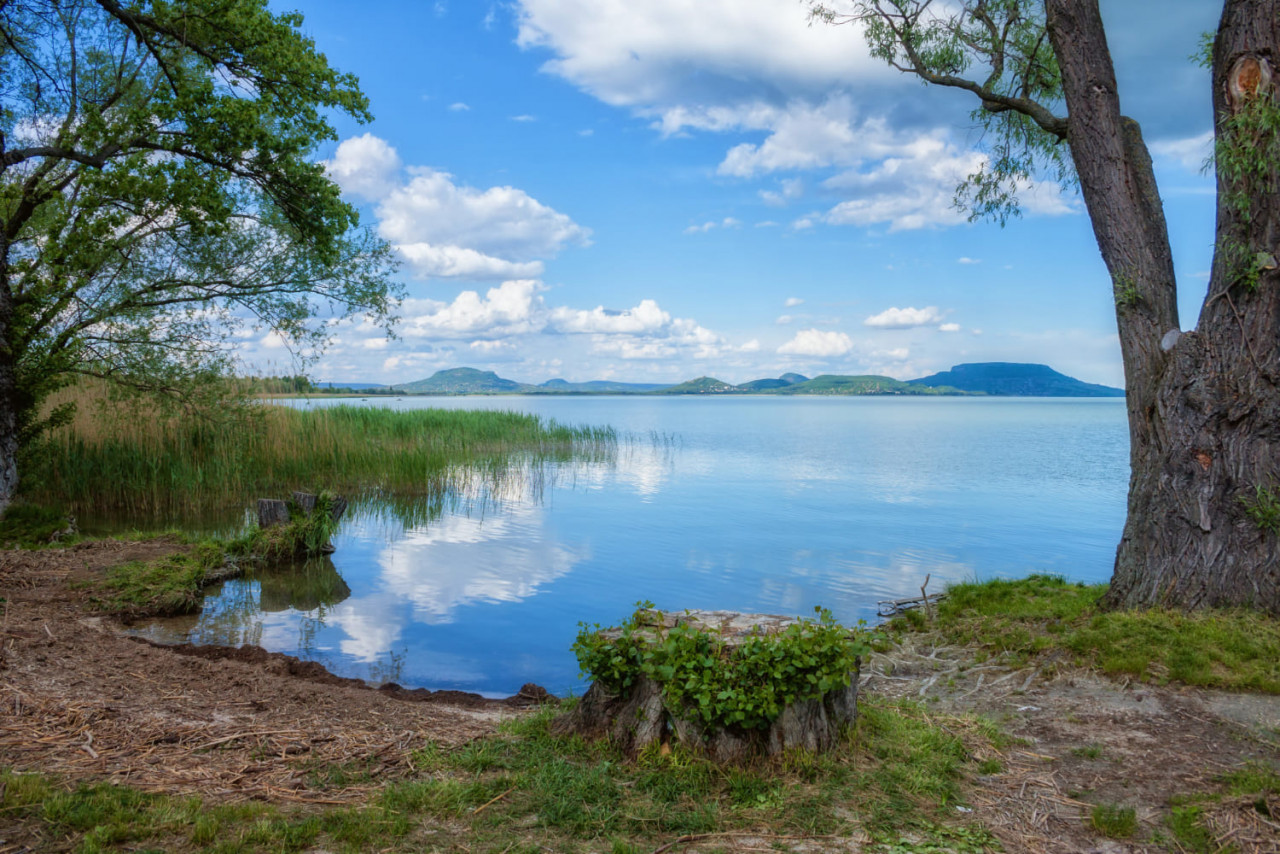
(1029, 619)
(1114, 820)
(116, 457)
(898, 774)
(1187, 820)
(32, 526)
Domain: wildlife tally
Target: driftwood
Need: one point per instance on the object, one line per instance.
(642, 716)
(893, 607)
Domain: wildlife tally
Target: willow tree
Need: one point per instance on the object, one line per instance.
(159, 199)
(1203, 405)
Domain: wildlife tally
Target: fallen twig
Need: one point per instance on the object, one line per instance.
(492, 801)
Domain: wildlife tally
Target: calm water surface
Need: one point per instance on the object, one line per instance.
(757, 504)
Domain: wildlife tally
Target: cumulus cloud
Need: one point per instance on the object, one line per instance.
(364, 166)
(646, 317)
(496, 320)
(964, 259)
(512, 308)
(949, 327)
(815, 342)
(640, 55)
(1189, 153)
(459, 107)
(813, 95)
(792, 302)
(905, 318)
(461, 263)
(445, 229)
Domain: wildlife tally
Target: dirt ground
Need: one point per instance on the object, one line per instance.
(80, 699)
(1086, 740)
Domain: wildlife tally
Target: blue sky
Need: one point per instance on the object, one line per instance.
(656, 190)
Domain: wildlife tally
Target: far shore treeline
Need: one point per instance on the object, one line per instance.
(985, 378)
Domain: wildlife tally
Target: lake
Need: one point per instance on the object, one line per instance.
(742, 503)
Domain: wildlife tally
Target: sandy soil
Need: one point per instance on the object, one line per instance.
(80, 699)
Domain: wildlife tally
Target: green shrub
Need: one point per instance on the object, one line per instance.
(747, 686)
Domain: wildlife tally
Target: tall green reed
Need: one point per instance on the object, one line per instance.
(148, 464)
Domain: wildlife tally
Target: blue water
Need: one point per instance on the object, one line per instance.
(756, 504)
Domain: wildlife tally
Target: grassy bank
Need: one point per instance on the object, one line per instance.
(151, 464)
(526, 790)
(1045, 620)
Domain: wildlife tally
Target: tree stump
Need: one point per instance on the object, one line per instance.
(271, 512)
(642, 715)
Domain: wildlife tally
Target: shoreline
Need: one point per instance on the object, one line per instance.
(1046, 743)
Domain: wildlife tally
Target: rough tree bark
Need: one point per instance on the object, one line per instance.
(8, 388)
(1204, 406)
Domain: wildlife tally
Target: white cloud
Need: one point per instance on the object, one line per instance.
(791, 188)
(815, 342)
(502, 320)
(1189, 153)
(501, 221)
(525, 117)
(457, 262)
(802, 223)
(905, 318)
(949, 327)
(364, 166)
(640, 55)
(792, 302)
(512, 308)
(646, 317)
(752, 346)
(964, 259)
(813, 96)
(784, 319)
(490, 347)
(727, 222)
(444, 229)
(459, 107)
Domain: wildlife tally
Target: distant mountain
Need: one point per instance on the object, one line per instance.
(764, 385)
(702, 385)
(464, 381)
(994, 378)
(599, 387)
(1014, 378)
(868, 384)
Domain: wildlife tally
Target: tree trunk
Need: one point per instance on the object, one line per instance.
(8, 389)
(1204, 407)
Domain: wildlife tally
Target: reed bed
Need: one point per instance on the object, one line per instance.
(148, 464)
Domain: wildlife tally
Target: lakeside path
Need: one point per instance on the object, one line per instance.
(82, 702)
